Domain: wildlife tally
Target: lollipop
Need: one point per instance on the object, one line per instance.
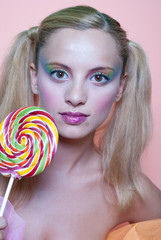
(28, 142)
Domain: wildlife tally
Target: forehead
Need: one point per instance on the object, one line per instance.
(89, 43)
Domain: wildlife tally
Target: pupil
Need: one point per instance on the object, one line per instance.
(98, 77)
(60, 74)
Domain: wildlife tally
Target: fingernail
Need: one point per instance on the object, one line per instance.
(3, 222)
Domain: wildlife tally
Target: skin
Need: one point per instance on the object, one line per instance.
(3, 225)
(68, 202)
(79, 91)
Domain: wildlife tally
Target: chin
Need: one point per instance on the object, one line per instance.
(75, 136)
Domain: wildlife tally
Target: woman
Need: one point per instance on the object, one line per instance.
(80, 66)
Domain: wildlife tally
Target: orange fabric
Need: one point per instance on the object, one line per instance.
(148, 230)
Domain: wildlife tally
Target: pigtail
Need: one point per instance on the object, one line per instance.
(129, 129)
(15, 80)
(16, 93)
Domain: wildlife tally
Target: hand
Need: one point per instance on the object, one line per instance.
(3, 225)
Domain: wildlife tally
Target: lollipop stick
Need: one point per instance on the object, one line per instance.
(6, 195)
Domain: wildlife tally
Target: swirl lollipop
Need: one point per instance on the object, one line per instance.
(28, 142)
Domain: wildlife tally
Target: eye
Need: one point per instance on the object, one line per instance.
(100, 78)
(59, 74)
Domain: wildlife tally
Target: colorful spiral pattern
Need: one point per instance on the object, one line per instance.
(28, 142)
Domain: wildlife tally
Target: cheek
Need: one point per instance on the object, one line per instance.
(48, 98)
(104, 104)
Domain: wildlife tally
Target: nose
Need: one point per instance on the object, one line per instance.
(76, 94)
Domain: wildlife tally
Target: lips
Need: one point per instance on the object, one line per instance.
(74, 118)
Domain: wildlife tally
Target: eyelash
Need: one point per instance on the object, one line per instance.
(56, 78)
(106, 79)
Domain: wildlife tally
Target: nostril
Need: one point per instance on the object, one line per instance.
(76, 96)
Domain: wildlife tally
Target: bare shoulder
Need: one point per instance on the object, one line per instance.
(149, 206)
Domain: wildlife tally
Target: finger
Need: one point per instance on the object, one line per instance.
(3, 223)
(2, 235)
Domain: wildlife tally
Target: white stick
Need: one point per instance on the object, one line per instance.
(10, 183)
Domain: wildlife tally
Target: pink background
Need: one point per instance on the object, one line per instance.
(142, 21)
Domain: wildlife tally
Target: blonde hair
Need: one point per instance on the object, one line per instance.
(15, 85)
(129, 128)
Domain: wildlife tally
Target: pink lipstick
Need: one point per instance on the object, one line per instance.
(73, 117)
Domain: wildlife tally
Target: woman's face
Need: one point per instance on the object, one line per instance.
(78, 79)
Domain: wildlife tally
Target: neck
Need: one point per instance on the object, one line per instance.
(73, 152)
(73, 155)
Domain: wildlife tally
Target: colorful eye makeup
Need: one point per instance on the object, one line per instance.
(102, 77)
(55, 72)
(49, 68)
(99, 76)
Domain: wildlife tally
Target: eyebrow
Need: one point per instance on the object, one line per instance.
(68, 68)
(59, 65)
(101, 68)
